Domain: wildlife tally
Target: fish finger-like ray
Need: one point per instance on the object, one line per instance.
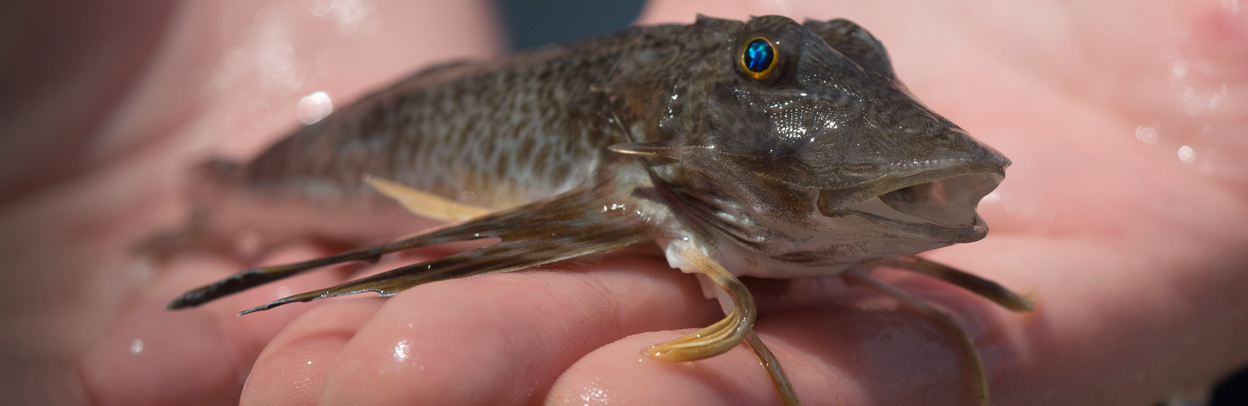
(727, 333)
(566, 226)
(975, 284)
(976, 377)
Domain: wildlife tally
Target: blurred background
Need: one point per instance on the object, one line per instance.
(534, 23)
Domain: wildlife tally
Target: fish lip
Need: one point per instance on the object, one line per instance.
(926, 231)
(953, 191)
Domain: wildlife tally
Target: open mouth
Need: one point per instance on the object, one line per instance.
(941, 209)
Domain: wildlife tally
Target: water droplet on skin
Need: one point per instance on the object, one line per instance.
(1179, 69)
(1147, 134)
(314, 107)
(1187, 154)
(402, 351)
(321, 8)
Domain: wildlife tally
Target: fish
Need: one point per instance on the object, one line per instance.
(766, 148)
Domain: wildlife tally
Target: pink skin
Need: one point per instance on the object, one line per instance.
(1136, 256)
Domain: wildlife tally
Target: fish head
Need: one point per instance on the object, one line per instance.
(805, 143)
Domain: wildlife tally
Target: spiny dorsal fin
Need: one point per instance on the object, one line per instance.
(855, 43)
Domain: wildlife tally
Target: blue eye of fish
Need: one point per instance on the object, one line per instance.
(758, 58)
(759, 55)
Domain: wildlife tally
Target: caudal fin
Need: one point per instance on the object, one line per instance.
(206, 184)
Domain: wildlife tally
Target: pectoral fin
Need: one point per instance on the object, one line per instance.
(566, 226)
(717, 338)
(978, 379)
(727, 333)
(977, 285)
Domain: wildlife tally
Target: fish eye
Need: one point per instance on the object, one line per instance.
(758, 58)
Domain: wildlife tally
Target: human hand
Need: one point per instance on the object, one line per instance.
(1124, 242)
(107, 106)
(1131, 251)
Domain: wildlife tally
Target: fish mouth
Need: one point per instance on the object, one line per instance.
(937, 206)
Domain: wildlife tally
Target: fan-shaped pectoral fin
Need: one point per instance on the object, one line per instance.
(727, 333)
(566, 226)
(978, 379)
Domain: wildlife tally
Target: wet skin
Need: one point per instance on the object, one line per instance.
(1127, 246)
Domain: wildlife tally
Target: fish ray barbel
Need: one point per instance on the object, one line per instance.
(766, 148)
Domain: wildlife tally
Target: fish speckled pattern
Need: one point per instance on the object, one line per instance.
(813, 160)
(505, 132)
(448, 136)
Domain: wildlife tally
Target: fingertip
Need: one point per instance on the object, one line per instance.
(292, 369)
(618, 374)
(154, 357)
(832, 355)
(505, 338)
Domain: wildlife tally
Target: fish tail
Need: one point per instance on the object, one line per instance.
(207, 185)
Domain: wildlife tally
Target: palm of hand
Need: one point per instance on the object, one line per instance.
(1126, 246)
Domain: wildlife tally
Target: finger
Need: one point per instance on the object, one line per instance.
(153, 356)
(503, 339)
(292, 368)
(834, 355)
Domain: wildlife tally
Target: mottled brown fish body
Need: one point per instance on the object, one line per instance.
(768, 148)
(493, 134)
(497, 133)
